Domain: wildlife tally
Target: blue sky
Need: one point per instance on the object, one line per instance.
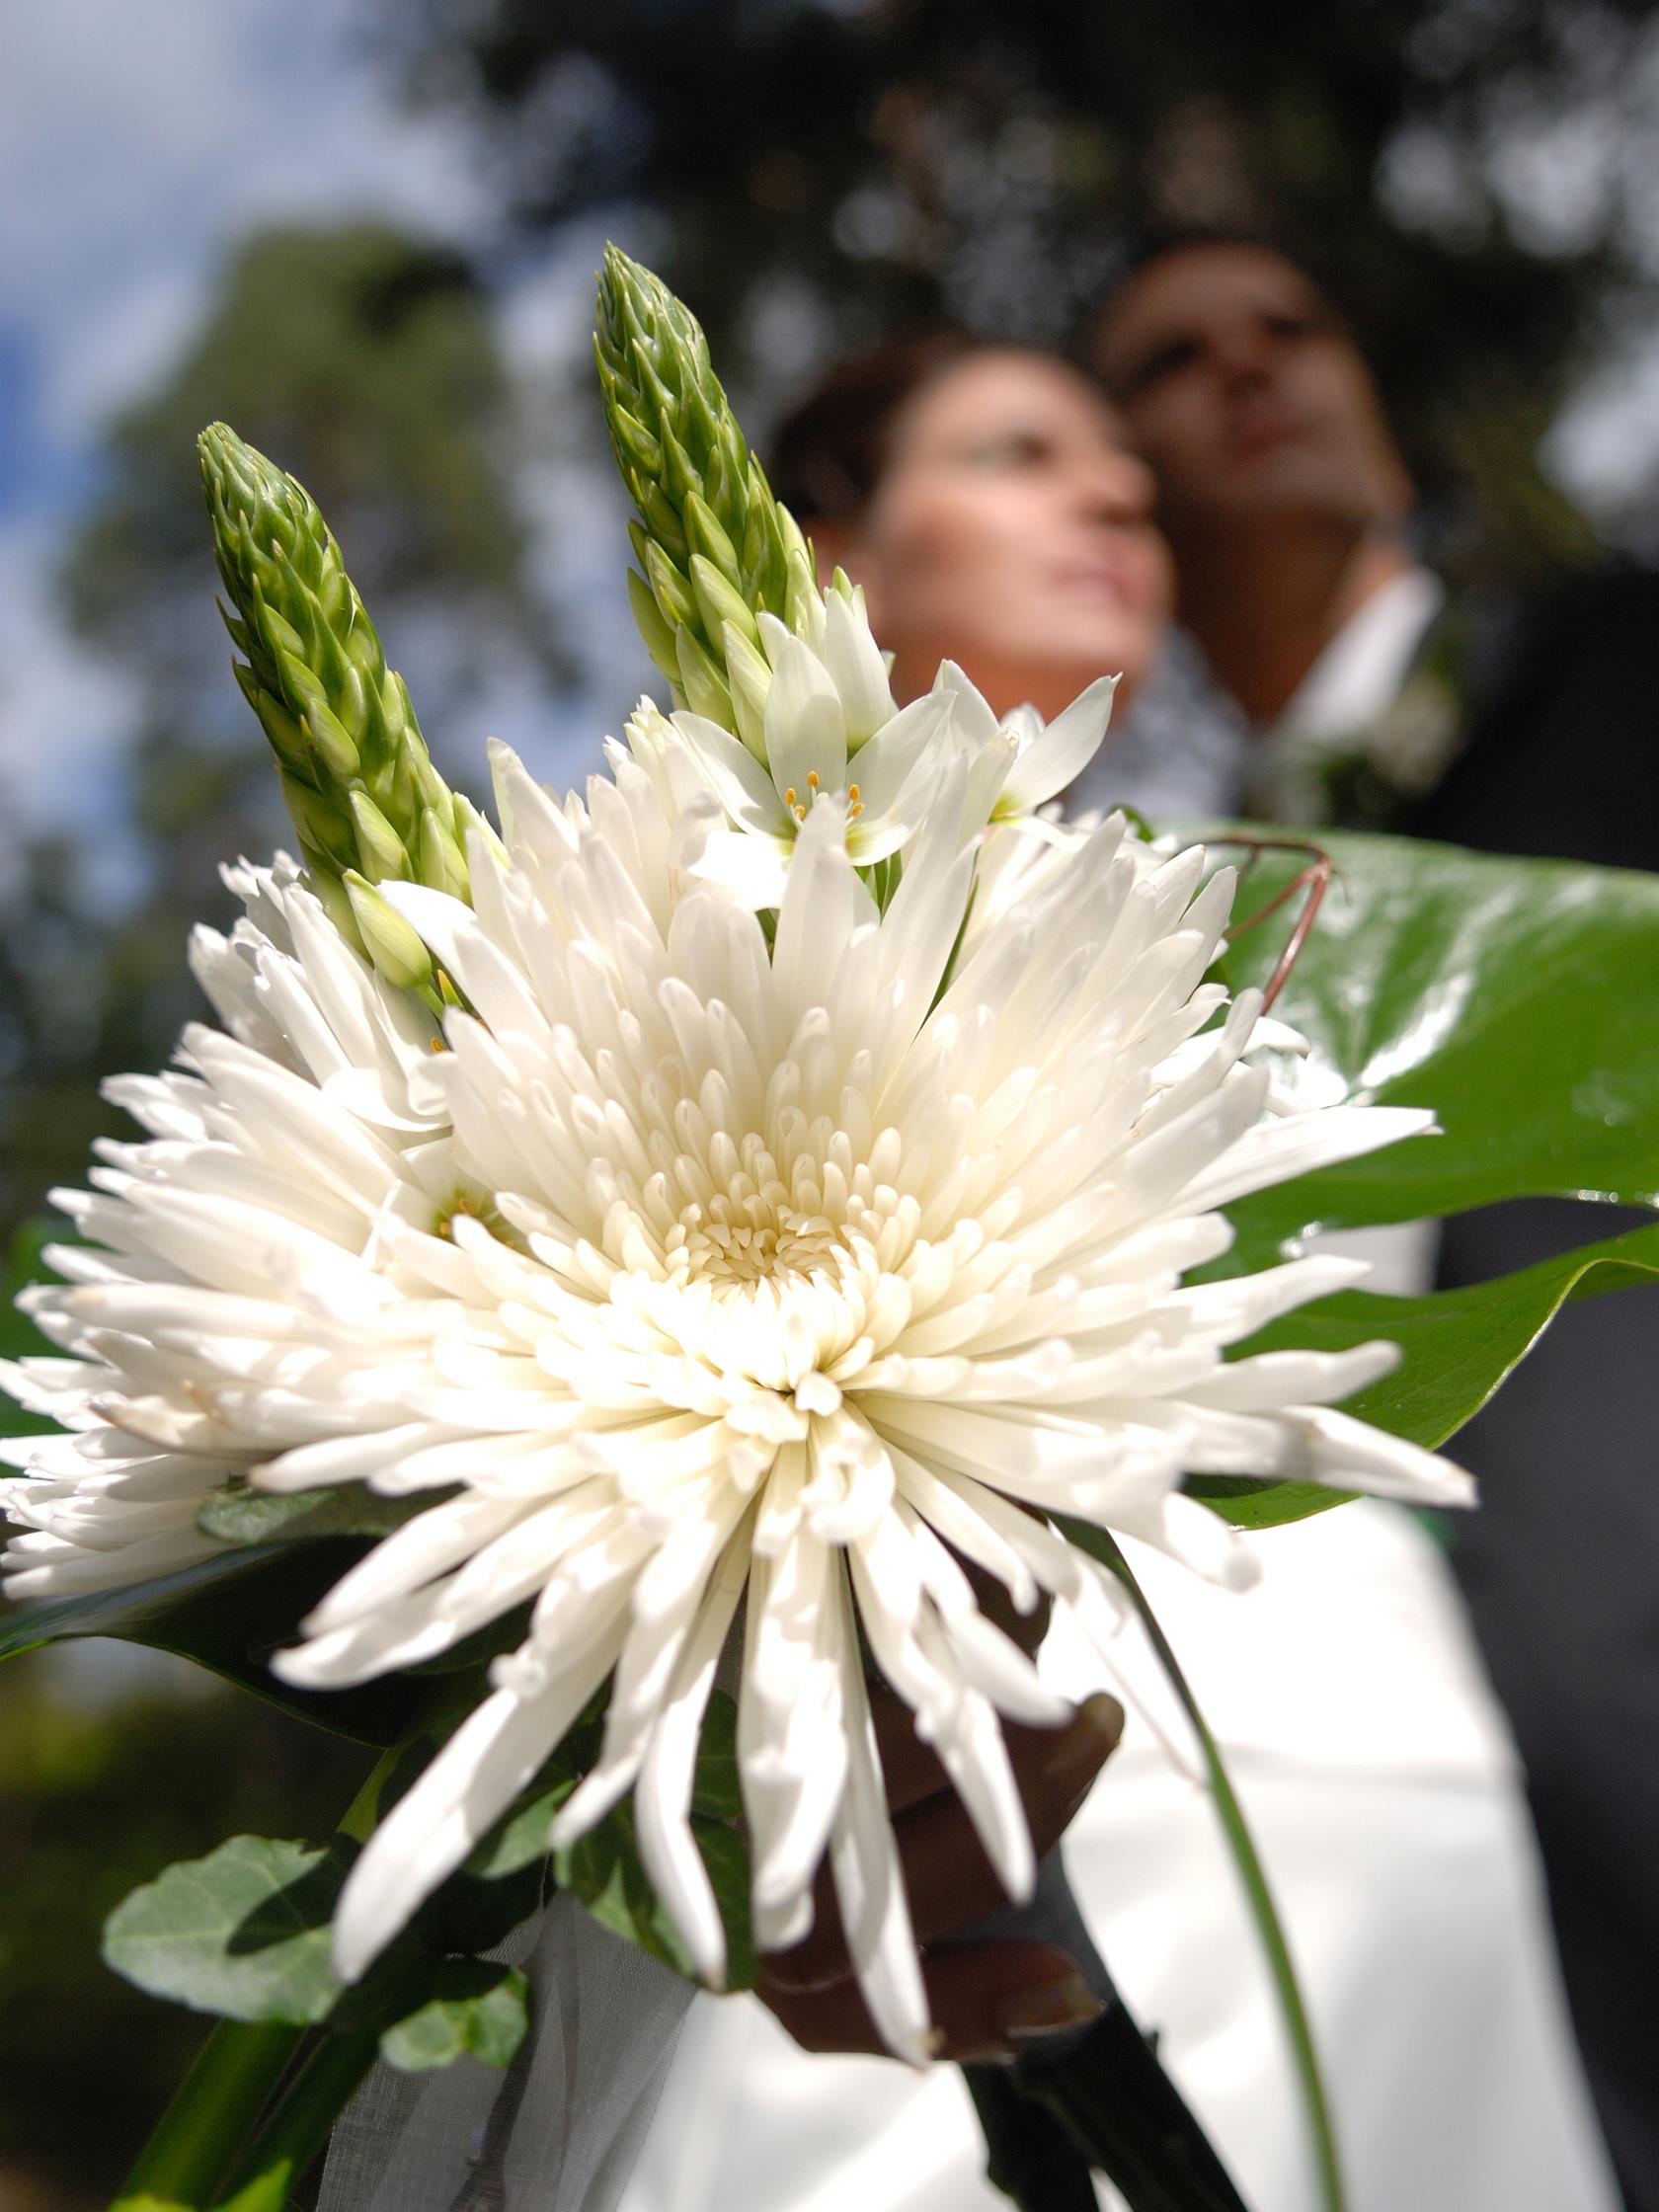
(138, 139)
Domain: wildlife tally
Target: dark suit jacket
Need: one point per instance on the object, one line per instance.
(1560, 1565)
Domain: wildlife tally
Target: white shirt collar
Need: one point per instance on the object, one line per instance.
(1359, 675)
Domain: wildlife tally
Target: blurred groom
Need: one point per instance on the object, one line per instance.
(1372, 698)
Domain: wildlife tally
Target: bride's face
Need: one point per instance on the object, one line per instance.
(1011, 532)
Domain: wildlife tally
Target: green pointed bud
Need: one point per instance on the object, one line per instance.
(707, 539)
(391, 944)
(358, 781)
(763, 570)
(662, 519)
(380, 850)
(277, 636)
(803, 604)
(720, 602)
(674, 595)
(702, 494)
(288, 738)
(637, 441)
(330, 891)
(789, 531)
(751, 678)
(648, 617)
(470, 823)
(442, 862)
(320, 823)
(704, 687)
(679, 476)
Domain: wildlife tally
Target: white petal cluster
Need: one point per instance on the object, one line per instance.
(702, 1277)
(817, 720)
(229, 1248)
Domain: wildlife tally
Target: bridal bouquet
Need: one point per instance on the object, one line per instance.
(704, 1232)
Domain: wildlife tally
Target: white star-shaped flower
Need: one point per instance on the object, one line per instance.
(825, 728)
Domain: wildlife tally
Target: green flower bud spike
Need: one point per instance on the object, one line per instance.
(716, 548)
(368, 805)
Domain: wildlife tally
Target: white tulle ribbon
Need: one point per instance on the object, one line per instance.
(556, 2132)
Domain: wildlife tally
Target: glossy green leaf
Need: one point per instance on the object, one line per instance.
(1252, 1504)
(1457, 1348)
(1512, 996)
(243, 1932)
(228, 1615)
(477, 2010)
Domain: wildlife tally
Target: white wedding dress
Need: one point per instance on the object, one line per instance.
(1382, 1787)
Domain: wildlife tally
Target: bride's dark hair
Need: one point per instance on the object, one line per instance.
(831, 449)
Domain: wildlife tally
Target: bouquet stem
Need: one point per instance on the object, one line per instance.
(1094, 2098)
(1030, 2155)
(296, 2131)
(219, 2102)
(1116, 2103)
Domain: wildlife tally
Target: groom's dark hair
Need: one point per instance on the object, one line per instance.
(1156, 242)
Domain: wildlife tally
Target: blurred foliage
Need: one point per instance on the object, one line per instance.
(361, 360)
(364, 360)
(96, 1796)
(1466, 175)
(110, 1767)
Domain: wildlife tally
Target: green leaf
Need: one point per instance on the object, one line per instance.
(519, 1839)
(477, 2010)
(241, 1515)
(246, 1933)
(606, 1872)
(229, 1615)
(1457, 1346)
(1251, 1504)
(1512, 996)
(726, 1856)
(243, 1932)
(716, 1792)
(19, 1337)
(522, 1839)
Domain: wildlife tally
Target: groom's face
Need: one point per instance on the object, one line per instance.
(1245, 394)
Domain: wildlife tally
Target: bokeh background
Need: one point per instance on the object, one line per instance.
(365, 234)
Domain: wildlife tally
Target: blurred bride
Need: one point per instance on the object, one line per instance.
(986, 500)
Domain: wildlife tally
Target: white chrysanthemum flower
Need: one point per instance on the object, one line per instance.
(799, 1283)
